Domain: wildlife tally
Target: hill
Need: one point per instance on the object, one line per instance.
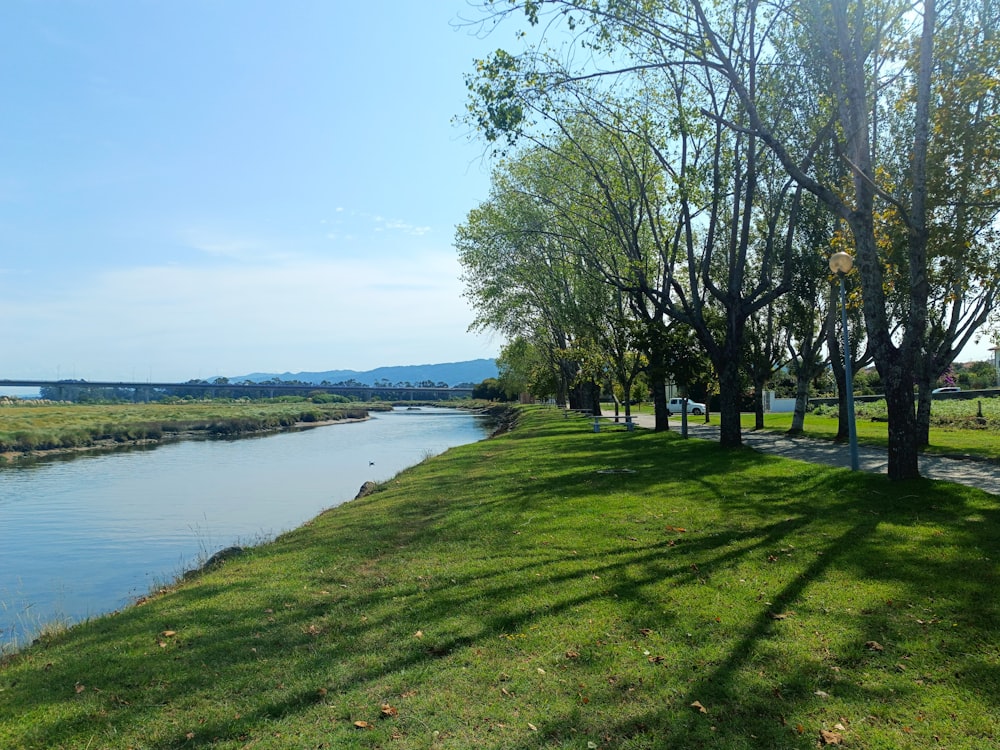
(452, 373)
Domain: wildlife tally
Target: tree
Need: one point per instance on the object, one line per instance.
(906, 98)
(709, 234)
(523, 275)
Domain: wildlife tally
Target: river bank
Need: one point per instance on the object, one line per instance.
(31, 432)
(559, 588)
(88, 536)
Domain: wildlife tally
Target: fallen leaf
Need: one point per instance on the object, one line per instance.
(79, 688)
(419, 634)
(532, 727)
(541, 671)
(572, 655)
(189, 735)
(699, 708)
(645, 631)
(321, 692)
(822, 694)
(779, 615)
(657, 659)
(830, 738)
(388, 710)
(874, 646)
(362, 725)
(168, 633)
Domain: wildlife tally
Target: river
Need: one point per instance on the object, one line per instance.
(87, 536)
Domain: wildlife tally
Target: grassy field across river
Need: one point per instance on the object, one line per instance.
(30, 427)
(557, 588)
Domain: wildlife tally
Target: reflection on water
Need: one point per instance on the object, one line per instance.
(87, 536)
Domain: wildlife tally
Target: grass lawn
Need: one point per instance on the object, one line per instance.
(944, 440)
(557, 588)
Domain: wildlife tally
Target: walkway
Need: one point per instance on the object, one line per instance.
(985, 476)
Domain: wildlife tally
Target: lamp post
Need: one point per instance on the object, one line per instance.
(840, 264)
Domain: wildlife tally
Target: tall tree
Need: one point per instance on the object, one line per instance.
(869, 74)
(710, 238)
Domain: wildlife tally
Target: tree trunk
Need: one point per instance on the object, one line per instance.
(758, 406)
(801, 400)
(903, 447)
(656, 371)
(730, 433)
(923, 426)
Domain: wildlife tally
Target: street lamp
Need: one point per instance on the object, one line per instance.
(840, 264)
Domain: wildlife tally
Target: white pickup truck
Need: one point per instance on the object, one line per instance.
(676, 406)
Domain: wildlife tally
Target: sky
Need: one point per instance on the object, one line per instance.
(192, 188)
(195, 188)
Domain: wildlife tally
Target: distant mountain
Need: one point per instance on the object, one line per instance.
(452, 373)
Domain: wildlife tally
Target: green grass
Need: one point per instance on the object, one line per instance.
(557, 588)
(944, 439)
(29, 426)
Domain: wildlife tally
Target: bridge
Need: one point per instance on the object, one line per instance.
(143, 391)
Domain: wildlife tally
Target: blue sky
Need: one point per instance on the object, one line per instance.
(191, 188)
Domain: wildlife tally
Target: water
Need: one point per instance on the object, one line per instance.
(88, 536)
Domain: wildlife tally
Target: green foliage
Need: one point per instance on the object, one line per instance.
(490, 390)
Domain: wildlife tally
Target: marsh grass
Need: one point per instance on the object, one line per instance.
(26, 426)
(556, 588)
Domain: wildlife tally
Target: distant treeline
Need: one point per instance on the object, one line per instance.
(288, 390)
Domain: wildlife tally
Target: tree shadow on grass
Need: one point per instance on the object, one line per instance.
(318, 628)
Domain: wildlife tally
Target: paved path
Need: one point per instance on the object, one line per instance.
(985, 476)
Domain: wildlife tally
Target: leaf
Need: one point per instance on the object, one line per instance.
(779, 615)
(168, 633)
(822, 694)
(79, 688)
(657, 659)
(874, 646)
(830, 738)
(532, 727)
(699, 708)
(362, 725)
(388, 710)
(419, 634)
(572, 654)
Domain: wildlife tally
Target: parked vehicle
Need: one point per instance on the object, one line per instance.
(947, 389)
(676, 406)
